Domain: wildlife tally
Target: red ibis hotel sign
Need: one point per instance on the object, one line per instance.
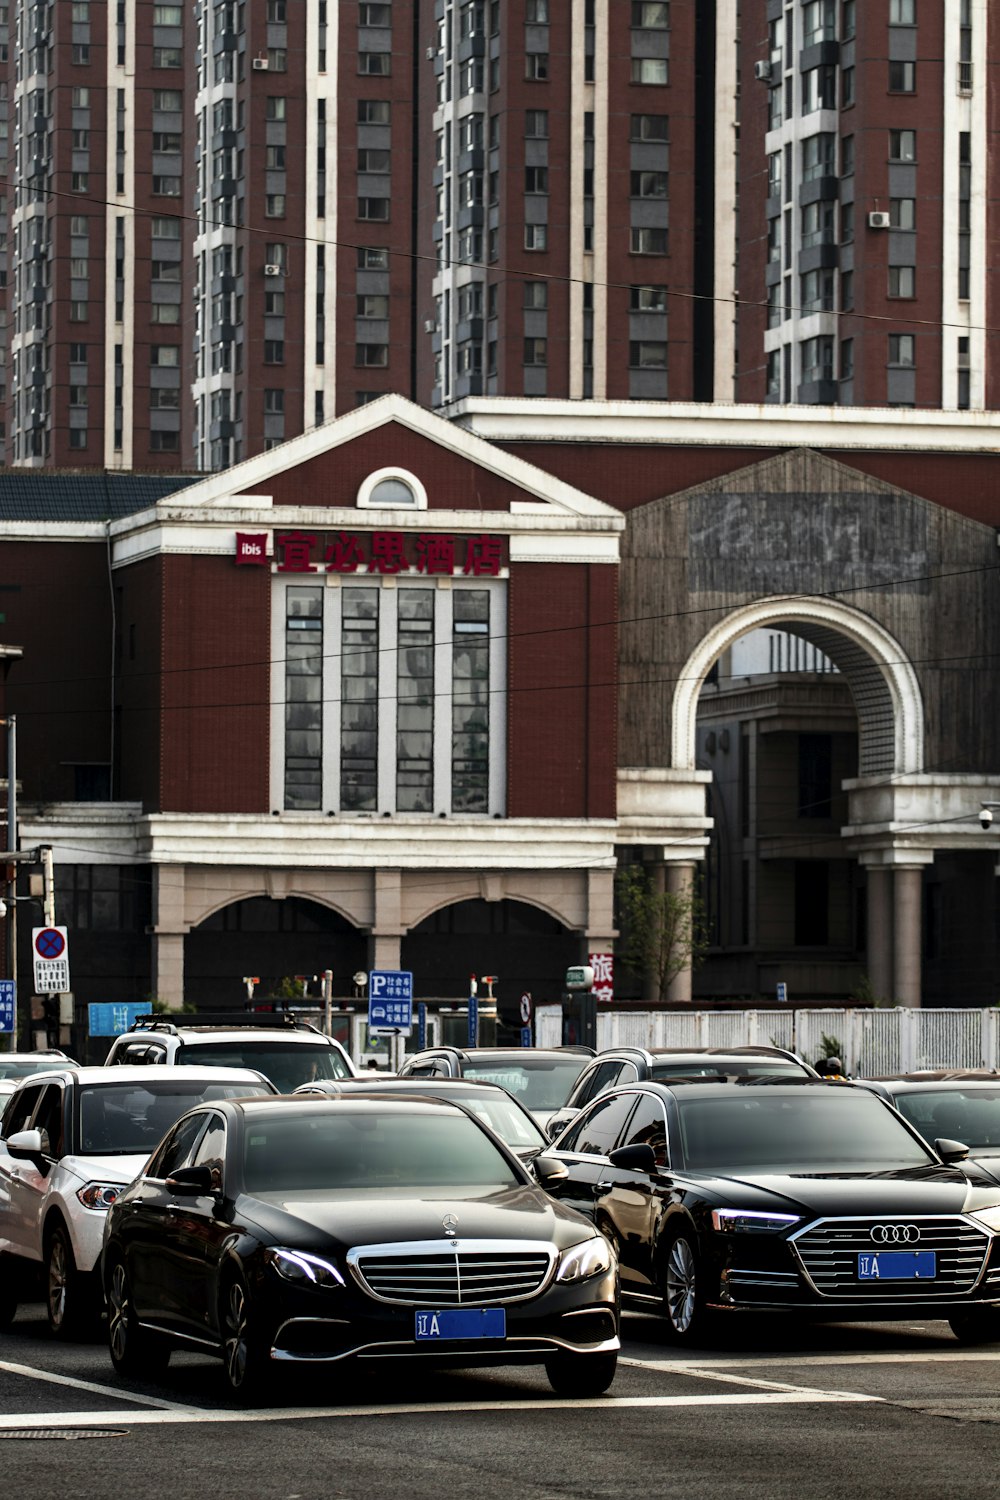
(429, 553)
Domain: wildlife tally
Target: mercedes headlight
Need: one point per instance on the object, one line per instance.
(304, 1270)
(751, 1221)
(594, 1257)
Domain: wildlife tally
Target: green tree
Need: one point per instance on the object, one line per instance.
(662, 931)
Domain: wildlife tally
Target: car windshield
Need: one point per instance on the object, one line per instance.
(286, 1064)
(814, 1132)
(371, 1150)
(968, 1115)
(738, 1067)
(24, 1068)
(504, 1118)
(128, 1119)
(536, 1082)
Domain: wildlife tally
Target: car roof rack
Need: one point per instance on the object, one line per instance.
(235, 1020)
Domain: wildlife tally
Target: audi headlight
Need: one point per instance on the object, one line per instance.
(591, 1258)
(305, 1270)
(751, 1221)
(988, 1217)
(100, 1195)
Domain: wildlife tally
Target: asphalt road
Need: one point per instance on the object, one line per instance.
(800, 1410)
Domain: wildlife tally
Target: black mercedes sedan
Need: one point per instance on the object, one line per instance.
(322, 1230)
(810, 1198)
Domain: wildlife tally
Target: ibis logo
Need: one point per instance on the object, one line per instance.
(251, 549)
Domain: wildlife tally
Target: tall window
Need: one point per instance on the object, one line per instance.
(303, 698)
(393, 696)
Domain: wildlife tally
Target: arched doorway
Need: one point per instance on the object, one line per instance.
(527, 948)
(270, 939)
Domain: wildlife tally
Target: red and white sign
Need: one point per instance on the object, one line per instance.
(251, 549)
(603, 965)
(51, 955)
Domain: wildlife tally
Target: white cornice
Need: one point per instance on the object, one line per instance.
(720, 424)
(253, 475)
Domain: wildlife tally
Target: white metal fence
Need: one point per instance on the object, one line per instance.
(869, 1042)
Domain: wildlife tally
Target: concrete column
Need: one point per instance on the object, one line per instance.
(168, 968)
(907, 894)
(879, 941)
(169, 930)
(680, 882)
(385, 947)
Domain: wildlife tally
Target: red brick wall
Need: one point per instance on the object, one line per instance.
(214, 739)
(562, 747)
(452, 482)
(56, 602)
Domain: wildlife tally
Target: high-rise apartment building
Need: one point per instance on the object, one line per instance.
(868, 168)
(228, 221)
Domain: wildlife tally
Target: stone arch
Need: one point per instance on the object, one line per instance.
(881, 678)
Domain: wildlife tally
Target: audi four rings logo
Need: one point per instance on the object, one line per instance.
(895, 1234)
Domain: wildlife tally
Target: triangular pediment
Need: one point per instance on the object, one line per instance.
(458, 470)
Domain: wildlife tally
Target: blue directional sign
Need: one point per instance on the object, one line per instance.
(8, 1005)
(112, 1020)
(390, 1001)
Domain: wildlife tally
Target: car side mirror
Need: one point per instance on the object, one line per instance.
(550, 1172)
(951, 1151)
(191, 1182)
(26, 1145)
(638, 1158)
(556, 1124)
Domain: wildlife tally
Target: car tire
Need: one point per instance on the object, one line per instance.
(133, 1350)
(682, 1285)
(982, 1327)
(8, 1292)
(71, 1300)
(580, 1374)
(243, 1353)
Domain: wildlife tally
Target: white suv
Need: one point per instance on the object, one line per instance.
(70, 1141)
(287, 1050)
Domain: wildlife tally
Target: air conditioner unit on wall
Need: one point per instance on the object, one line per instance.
(260, 64)
(272, 270)
(878, 220)
(762, 71)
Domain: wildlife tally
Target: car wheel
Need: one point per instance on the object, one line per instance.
(133, 1350)
(243, 1354)
(981, 1327)
(8, 1292)
(70, 1298)
(580, 1374)
(682, 1284)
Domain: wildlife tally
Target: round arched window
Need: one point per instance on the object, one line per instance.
(392, 489)
(392, 492)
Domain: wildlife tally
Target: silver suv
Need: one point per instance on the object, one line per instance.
(286, 1049)
(70, 1141)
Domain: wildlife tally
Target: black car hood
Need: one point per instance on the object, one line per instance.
(342, 1219)
(924, 1190)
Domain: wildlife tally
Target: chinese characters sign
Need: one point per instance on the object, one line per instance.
(386, 552)
(603, 965)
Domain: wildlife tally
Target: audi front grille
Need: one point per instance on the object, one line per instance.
(829, 1248)
(439, 1274)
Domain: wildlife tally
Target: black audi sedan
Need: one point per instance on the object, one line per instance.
(323, 1230)
(810, 1198)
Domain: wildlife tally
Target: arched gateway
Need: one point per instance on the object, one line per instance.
(898, 595)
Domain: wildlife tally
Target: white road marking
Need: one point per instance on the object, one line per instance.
(705, 1372)
(861, 1357)
(31, 1372)
(179, 1414)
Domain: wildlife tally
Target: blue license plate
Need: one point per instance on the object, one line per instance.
(460, 1323)
(897, 1265)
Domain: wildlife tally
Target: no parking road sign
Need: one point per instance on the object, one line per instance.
(51, 955)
